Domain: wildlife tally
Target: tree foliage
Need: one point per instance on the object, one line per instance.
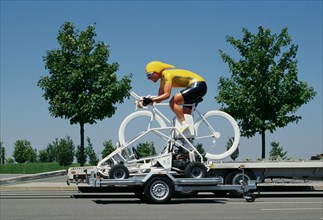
(2, 153)
(108, 148)
(65, 150)
(263, 92)
(79, 156)
(277, 152)
(49, 154)
(146, 149)
(235, 154)
(42, 156)
(200, 148)
(51, 151)
(82, 86)
(23, 152)
(90, 153)
(9, 160)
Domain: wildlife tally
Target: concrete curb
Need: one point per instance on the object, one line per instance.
(32, 177)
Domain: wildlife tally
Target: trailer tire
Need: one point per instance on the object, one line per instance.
(250, 197)
(220, 193)
(185, 194)
(119, 171)
(234, 178)
(158, 190)
(195, 170)
(140, 195)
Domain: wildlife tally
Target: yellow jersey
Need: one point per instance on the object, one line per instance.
(179, 78)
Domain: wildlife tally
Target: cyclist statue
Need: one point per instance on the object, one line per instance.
(194, 88)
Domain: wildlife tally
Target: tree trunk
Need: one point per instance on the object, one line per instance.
(263, 144)
(82, 154)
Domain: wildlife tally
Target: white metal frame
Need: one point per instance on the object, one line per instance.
(143, 165)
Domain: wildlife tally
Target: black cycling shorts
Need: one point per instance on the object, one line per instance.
(194, 93)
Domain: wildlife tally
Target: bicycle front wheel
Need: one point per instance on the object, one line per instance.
(137, 123)
(218, 133)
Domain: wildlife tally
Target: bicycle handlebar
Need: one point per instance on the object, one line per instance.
(138, 97)
(133, 94)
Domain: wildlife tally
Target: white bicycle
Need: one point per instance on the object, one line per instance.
(215, 129)
(179, 155)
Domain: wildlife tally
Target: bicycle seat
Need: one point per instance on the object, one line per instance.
(198, 100)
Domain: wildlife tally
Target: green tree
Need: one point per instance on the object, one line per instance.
(263, 92)
(65, 150)
(146, 149)
(82, 86)
(2, 153)
(10, 161)
(51, 151)
(79, 156)
(108, 148)
(90, 153)
(23, 152)
(277, 152)
(235, 154)
(42, 156)
(200, 149)
(49, 154)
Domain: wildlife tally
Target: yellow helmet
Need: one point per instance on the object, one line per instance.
(157, 66)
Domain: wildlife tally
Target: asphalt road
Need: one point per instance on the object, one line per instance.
(61, 205)
(31, 203)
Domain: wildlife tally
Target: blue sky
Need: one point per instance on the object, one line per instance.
(187, 34)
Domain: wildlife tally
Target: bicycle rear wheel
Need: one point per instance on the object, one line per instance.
(220, 130)
(137, 123)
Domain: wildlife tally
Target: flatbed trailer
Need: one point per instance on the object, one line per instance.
(231, 173)
(261, 170)
(159, 186)
(307, 170)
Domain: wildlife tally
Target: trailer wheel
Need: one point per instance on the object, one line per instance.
(234, 178)
(195, 170)
(250, 197)
(158, 190)
(119, 171)
(185, 194)
(140, 195)
(220, 192)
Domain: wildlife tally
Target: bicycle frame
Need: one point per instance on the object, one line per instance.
(156, 111)
(116, 156)
(172, 140)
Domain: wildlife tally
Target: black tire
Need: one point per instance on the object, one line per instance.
(250, 197)
(119, 171)
(220, 193)
(185, 194)
(140, 195)
(234, 178)
(158, 190)
(195, 170)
